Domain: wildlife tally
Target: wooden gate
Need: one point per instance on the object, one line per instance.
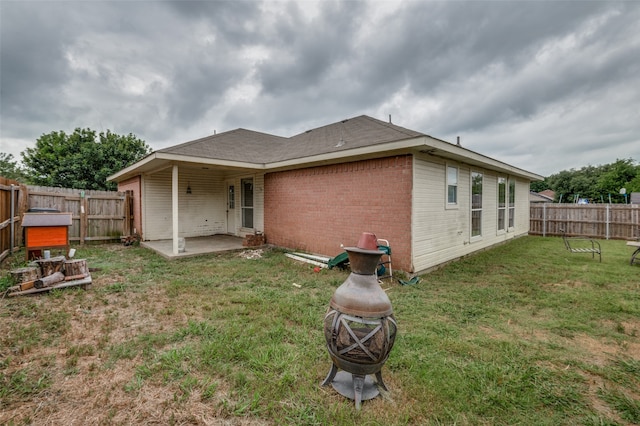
(96, 215)
(11, 197)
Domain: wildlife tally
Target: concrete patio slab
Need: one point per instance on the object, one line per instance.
(196, 246)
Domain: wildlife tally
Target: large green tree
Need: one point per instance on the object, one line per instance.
(81, 160)
(597, 183)
(10, 169)
(616, 176)
(540, 186)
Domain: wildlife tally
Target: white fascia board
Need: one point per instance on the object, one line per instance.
(426, 144)
(210, 161)
(438, 147)
(149, 158)
(139, 167)
(346, 153)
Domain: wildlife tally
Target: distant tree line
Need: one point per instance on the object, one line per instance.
(81, 160)
(84, 160)
(597, 184)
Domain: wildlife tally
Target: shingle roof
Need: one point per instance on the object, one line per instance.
(356, 132)
(235, 145)
(356, 137)
(255, 147)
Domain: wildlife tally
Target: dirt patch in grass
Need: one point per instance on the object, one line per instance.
(600, 352)
(81, 399)
(594, 384)
(596, 352)
(91, 385)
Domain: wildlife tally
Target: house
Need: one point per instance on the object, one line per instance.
(549, 193)
(433, 200)
(545, 196)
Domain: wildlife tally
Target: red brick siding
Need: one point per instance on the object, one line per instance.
(133, 184)
(318, 208)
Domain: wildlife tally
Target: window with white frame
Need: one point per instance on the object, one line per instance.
(512, 203)
(247, 202)
(502, 204)
(476, 204)
(452, 185)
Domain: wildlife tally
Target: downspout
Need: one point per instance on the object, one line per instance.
(174, 207)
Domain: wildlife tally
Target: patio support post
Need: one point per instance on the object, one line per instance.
(174, 207)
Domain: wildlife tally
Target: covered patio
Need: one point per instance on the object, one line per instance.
(196, 246)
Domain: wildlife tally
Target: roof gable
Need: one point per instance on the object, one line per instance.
(358, 132)
(235, 145)
(256, 147)
(352, 138)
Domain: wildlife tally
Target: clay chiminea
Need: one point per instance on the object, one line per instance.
(359, 326)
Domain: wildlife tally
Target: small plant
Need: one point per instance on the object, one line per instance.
(5, 283)
(81, 350)
(23, 383)
(134, 385)
(209, 391)
(115, 288)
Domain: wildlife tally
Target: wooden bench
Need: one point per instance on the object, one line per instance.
(582, 245)
(635, 258)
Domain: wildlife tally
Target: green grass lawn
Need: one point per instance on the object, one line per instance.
(525, 333)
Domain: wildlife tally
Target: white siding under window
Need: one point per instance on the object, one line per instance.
(441, 234)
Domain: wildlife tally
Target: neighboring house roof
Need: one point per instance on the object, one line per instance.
(537, 197)
(357, 137)
(550, 194)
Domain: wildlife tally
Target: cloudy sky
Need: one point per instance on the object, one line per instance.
(545, 86)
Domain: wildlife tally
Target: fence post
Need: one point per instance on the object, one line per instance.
(544, 219)
(608, 220)
(83, 218)
(12, 232)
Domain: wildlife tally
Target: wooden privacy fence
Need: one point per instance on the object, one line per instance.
(11, 204)
(608, 221)
(96, 215)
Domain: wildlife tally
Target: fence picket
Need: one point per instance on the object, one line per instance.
(96, 215)
(10, 201)
(608, 221)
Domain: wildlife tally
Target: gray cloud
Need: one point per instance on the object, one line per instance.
(542, 85)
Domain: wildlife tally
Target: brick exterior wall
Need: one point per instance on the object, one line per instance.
(133, 184)
(316, 209)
